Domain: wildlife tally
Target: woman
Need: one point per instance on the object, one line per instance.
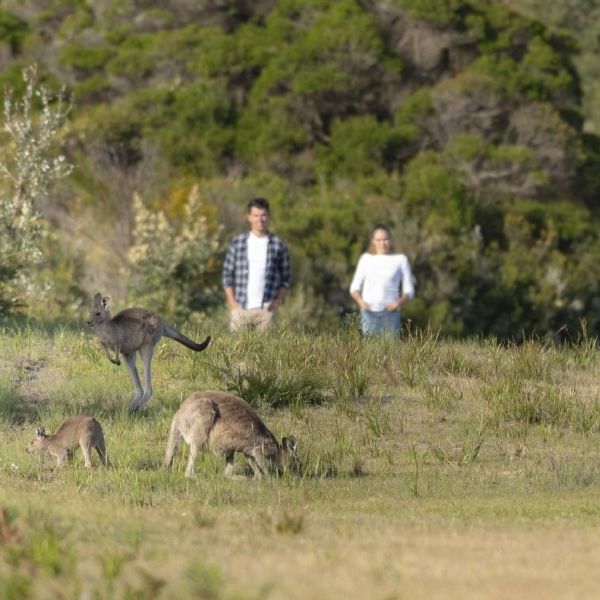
(376, 284)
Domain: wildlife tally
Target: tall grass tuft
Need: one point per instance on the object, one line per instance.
(464, 452)
(350, 365)
(417, 357)
(519, 401)
(269, 370)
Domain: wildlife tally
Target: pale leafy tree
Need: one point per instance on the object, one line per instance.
(29, 165)
(173, 261)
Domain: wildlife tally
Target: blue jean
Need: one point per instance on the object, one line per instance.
(379, 322)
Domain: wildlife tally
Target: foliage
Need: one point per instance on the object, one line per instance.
(458, 122)
(172, 262)
(83, 59)
(170, 116)
(29, 167)
(13, 30)
(581, 19)
(439, 11)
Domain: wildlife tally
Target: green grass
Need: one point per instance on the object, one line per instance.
(428, 468)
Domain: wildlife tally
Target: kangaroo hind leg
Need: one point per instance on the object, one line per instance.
(146, 353)
(173, 442)
(101, 450)
(136, 401)
(205, 415)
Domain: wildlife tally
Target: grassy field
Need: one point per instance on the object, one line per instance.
(428, 469)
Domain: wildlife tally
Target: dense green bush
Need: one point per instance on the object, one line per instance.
(83, 59)
(13, 30)
(441, 12)
(467, 139)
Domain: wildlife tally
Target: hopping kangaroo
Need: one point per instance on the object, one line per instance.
(227, 424)
(79, 430)
(131, 331)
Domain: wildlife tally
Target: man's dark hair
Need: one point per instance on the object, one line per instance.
(258, 203)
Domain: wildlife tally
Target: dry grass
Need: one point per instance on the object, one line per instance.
(432, 470)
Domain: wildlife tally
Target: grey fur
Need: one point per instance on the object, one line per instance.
(227, 424)
(79, 430)
(131, 331)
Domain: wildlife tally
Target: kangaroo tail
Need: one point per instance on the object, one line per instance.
(182, 339)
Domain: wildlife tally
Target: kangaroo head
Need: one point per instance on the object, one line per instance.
(288, 455)
(36, 442)
(100, 312)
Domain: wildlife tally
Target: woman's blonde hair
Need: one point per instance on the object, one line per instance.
(379, 227)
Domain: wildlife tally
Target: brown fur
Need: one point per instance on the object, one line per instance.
(227, 424)
(80, 430)
(131, 331)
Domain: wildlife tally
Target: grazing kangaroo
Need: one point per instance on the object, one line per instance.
(131, 331)
(227, 424)
(79, 430)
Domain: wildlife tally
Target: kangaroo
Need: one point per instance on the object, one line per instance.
(227, 424)
(79, 430)
(131, 331)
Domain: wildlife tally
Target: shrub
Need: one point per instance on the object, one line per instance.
(357, 146)
(29, 166)
(84, 59)
(12, 30)
(192, 125)
(441, 12)
(171, 262)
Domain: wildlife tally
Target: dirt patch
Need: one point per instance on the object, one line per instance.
(26, 382)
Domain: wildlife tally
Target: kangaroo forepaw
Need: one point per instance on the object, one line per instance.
(115, 361)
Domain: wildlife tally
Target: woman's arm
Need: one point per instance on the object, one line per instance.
(357, 284)
(408, 286)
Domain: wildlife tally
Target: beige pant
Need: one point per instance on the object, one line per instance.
(261, 318)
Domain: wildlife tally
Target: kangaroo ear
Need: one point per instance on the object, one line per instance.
(39, 432)
(105, 302)
(289, 443)
(97, 299)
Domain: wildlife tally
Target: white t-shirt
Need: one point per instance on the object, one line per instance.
(378, 278)
(257, 269)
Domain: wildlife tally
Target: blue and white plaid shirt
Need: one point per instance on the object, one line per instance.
(235, 268)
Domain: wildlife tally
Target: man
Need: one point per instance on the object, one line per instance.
(256, 272)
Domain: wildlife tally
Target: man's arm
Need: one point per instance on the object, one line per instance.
(285, 273)
(230, 298)
(228, 278)
(285, 269)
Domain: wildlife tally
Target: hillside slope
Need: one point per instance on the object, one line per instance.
(458, 121)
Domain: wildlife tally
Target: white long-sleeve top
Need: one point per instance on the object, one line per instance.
(378, 278)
